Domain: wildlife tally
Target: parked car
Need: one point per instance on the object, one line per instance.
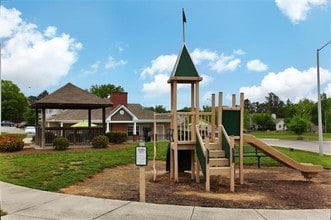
(30, 130)
(21, 124)
(7, 123)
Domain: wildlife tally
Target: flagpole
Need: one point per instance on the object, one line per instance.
(184, 21)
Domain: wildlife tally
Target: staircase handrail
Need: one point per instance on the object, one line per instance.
(230, 141)
(199, 138)
(201, 151)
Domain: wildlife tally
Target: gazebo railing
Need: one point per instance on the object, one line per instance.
(75, 135)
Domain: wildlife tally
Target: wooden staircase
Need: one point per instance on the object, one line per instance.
(216, 158)
(217, 164)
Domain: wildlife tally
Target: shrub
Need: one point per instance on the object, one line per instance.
(298, 125)
(60, 143)
(10, 143)
(117, 137)
(100, 141)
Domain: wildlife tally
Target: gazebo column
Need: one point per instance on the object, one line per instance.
(37, 137)
(104, 120)
(43, 122)
(89, 118)
(134, 131)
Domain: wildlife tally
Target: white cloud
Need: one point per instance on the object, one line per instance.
(160, 69)
(93, 68)
(226, 63)
(31, 58)
(112, 63)
(161, 65)
(199, 56)
(206, 79)
(50, 31)
(9, 20)
(328, 90)
(158, 86)
(239, 52)
(289, 84)
(256, 65)
(297, 10)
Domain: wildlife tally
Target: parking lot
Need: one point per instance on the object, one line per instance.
(12, 130)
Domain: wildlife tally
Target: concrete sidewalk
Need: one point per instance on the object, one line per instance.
(27, 204)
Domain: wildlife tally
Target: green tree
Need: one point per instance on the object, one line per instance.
(298, 125)
(158, 109)
(13, 101)
(264, 121)
(206, 108)
(274, 105)
(304, 109)
(104, 90)
(30, 114)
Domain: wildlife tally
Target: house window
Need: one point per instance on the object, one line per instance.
(130, 130)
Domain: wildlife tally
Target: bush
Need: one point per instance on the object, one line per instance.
(10, 143)
(100, 141)
(117, 137)
(60, 143)
(298, 125)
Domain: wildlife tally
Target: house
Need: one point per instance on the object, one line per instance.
(280, 124)
(131, 118)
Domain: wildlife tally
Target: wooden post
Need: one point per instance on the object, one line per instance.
(241, 140)
(232, 170)
(233, 100)
(142, 184)
(219, 119)
(213, 116)
(141, 160)
(43, 127)
(207, 166)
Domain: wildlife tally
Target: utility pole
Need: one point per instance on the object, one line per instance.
(319, 105)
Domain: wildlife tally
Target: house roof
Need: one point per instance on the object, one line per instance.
(184, 70)
(278, 120)
(74, 115)
(136, 110)
(71, 97)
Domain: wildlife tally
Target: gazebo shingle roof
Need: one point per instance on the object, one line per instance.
(71, 97)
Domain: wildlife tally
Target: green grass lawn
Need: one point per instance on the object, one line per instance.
(298, 155)
(287, 135)
(54, 170)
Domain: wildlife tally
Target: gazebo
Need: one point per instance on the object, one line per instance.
(69, 97)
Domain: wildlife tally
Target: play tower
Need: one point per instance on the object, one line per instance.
(204, 142)
(205, 139)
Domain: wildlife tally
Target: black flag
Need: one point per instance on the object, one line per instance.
(184, 17)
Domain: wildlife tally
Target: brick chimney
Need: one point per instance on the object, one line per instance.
(119, 98)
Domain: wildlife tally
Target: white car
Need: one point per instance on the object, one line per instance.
(30, 130)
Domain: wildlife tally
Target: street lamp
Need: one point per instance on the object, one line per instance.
(319, 106)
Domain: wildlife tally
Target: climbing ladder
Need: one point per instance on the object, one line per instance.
(216, 158)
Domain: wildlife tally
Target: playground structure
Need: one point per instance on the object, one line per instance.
(208, 139)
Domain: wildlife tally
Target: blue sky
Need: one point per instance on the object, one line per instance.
(249, 46)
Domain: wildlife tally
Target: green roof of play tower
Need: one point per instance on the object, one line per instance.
(184, 69)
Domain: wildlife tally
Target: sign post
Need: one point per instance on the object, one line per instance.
(141, 160)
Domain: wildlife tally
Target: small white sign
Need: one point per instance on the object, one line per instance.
(141, 156)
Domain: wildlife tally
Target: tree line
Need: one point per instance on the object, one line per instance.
(16, 107)
(303, 112)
